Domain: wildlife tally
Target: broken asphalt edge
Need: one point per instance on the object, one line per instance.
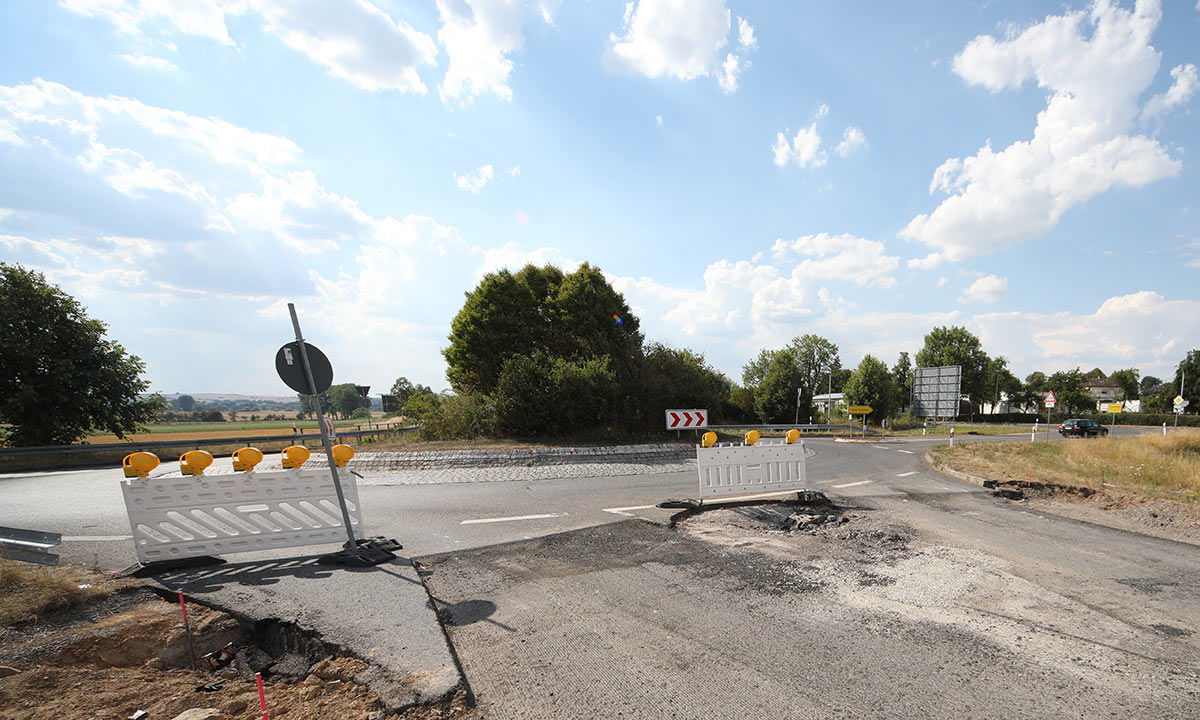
(396, 691)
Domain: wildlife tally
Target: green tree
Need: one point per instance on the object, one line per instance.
(957, 346)
(816, 358)
(575, 316)
(1187, 381)
(1001, 382)
(344, 400)
(680, 378)
(1128, 380)
(838, 379)
(872, 384)
(754, 371)
(1095, 373)
(185, 403)
(1069, 393)
(306, 404)
(1149, 385)
(1027, 396)
(402, 388)
(902, 376)
(60, 377)
(775, 397)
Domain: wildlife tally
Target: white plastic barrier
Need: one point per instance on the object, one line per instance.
(181, 517)
(740, 469)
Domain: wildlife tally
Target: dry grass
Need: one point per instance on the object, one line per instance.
(28, 592)
(1151, 464)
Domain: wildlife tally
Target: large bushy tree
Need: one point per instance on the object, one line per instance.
(958, 346)
(60, 376)
(873, 384)
(576, 316)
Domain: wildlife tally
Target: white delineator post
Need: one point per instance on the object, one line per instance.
(1033, 434)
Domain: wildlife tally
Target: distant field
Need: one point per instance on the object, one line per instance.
(180, 431)
(1153, 464)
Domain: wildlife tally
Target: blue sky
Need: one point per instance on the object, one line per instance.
(744, 172)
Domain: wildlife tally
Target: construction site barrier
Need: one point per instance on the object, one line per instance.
(199, 515)
(761, 467)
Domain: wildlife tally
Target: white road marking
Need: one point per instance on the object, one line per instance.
(846, 485)
(95, 538)
(914, 472)
(510, 519)
(624, 510)
(906, 452)
(882, 447)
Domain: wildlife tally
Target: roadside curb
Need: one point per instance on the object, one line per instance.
(935, 465)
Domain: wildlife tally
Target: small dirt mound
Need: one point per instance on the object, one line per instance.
(138, 657)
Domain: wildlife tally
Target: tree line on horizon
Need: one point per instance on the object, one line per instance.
(530, 353)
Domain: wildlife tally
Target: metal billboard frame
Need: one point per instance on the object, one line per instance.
(936, 391)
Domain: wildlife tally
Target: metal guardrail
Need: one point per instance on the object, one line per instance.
(151, 445)
(31, 546)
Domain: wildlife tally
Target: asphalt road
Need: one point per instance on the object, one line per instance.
(85, 506)
(933, 600)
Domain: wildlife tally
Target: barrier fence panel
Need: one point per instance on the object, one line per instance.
(175, 518)
(758, 468)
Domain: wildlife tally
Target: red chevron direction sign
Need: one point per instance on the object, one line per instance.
(686, 419)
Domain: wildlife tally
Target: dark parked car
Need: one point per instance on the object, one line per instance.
(1082, 428)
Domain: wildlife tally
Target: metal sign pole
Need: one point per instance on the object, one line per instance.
(316, 402)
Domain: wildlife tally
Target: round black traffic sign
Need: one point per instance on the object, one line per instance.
(291, 371)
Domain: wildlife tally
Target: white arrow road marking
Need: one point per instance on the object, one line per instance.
(625, 510)
(882, 447)
(509, 519)
(906, 452)
(914, 472)
(845, 485)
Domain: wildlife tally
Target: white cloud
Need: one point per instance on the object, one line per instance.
(479, 36)
(148, 61)
(668, 38)
(1142, 329)
(727, 76)
(514, 171)
(752, 304)
(658, 120)
(803, 150)
(549, 10)
(203, 18)
(514, 257)
(355, 40)
(746, 38)
(161, 220)
(475, 181)
(852, 139)
(1081, 145)
(942, 281)
(1186, 79)
(988, 288)
(839, 257)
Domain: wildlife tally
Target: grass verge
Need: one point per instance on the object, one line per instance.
(29, 592)
(1154, 465)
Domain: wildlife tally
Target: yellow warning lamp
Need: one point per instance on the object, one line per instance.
(751, 437)
(246, 458)
(194, 462)
(139, 464)
(294, 456)
(708, 439)
(342, 455)
(792, 436)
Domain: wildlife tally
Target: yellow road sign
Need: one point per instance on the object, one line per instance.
(859, 410)
(1114, 407)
